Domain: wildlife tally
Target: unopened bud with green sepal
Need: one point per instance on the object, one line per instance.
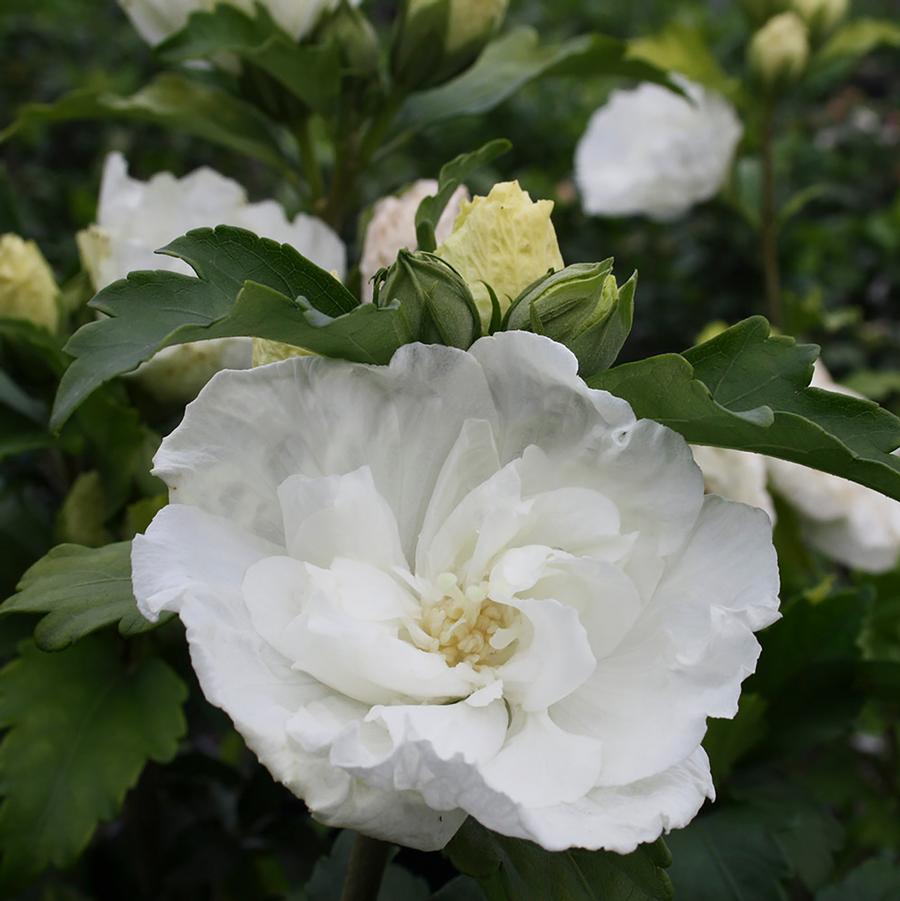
(582, 307)
(435, 301)
(437, 39)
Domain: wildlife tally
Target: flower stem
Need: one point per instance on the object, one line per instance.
(365, 871)
(768, 233)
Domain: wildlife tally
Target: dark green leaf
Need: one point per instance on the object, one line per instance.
(81, 726)
(462, 888)
(310, 73)
(511, 62)
(876, 880)
(79, 590)
(287, 298)
(453, 174)
(510, 869)
(727, 741)
(728, 855)
(747, 389)
(174, 102)
(14, 398)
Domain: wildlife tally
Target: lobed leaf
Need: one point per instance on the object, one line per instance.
(80, 728)
(748, 389)
(247, 286)
(79, 590)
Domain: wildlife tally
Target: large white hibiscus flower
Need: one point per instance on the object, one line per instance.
(847, 522)
(136, 218)
(650, 152)
(464, 583)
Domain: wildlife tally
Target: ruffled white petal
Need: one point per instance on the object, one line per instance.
(688, 652)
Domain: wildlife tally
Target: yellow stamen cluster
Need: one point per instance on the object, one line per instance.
(468, 627)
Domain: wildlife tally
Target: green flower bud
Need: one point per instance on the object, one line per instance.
(581, 307)
(437, 39)
(820, 15)
(779, 51)
(27, 287)
(436, 303)
(355, 38)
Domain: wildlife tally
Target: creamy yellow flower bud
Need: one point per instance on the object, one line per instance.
(779, 51)
(27, 287)
(505, 239)
(820, 15)
(439, 38)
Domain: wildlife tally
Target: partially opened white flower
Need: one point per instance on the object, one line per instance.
(650, 152)
(464, 583)
(735, 475)
(155, 20)
(393, 228)
(136, 218)
(847, 522)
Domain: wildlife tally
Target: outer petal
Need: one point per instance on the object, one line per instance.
(620, 818)
(313, 417)
(687, 654)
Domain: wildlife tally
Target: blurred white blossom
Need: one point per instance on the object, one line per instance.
(28, 289)
(845, 521)
(393, 228)
(156, 20)
(649, 151)
(462, 584)
(736, 476)
(136, 218)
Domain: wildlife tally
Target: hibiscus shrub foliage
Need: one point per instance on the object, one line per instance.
(392, 538)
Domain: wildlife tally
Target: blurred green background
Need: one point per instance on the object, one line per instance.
(840, 256)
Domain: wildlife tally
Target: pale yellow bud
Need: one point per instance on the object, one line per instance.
(27, 287)
(505, 239)
(779, 51)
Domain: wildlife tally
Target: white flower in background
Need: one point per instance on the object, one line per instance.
(462, 584)
(779, 51)
(393, 228)
(505, 239)
(650, 152)
(155, 20)
(850, 523)
(735, 475)
(27, 287)
(136, 218)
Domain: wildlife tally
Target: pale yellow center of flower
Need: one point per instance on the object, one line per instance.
(467, 626)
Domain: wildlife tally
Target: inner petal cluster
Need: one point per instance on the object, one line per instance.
(466, 626)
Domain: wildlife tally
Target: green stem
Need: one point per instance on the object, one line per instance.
(310, 164)
(768, 233)
(365, 871)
